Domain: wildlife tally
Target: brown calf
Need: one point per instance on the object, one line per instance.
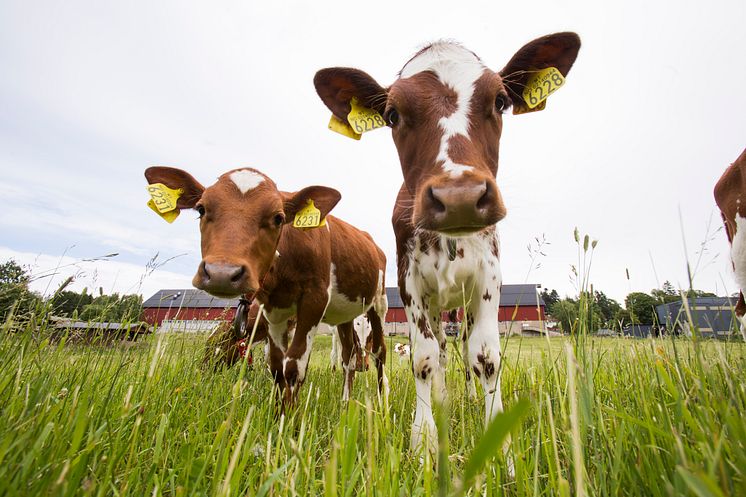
(328, 274)
(730, 195)
(445, 112)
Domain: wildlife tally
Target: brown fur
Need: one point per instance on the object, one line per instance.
(730, 195)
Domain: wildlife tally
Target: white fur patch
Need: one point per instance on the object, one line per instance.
(246, 179)
(340, 308)
(738, 252)
(459, 69)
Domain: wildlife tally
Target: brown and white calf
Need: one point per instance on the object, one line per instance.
(328, 274)
(445, 112)
(730, 196)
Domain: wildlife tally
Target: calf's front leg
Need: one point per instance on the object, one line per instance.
(311, 309)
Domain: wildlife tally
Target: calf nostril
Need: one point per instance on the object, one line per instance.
(437, 205)
(203, 267)
(486, 199)
(237, 274)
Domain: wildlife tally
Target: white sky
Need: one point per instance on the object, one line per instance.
(628, 150)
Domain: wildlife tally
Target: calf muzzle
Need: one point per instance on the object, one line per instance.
(461, 206)
(222, 279)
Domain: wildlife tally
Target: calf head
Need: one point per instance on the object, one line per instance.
(241, 218)
(445, 112)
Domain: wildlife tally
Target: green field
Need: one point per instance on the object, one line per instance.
(634, 418)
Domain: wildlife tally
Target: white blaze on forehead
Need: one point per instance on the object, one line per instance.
(246, 179)
(459, 69)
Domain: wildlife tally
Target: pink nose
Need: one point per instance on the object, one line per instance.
(221, 279)
(460, 206)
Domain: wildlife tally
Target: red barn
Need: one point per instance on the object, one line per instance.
(186, 305)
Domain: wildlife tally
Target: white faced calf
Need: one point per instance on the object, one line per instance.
(445, 112)
(328, 274)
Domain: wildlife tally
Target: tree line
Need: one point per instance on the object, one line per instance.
(18, 300)
(605, 312)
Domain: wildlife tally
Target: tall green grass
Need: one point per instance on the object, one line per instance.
(602, 417)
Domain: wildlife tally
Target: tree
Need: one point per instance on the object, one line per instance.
(608, 307)
(565, 312)
(667, 293)
(14, 293)
(68, 303)
(113, 308)
(641, 307)
(621, 319)
(549, 298)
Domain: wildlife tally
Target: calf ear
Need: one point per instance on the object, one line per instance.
(177, 179)
(324, 199)
(337, 85)
(557, 50)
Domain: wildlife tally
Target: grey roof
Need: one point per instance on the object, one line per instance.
(524, 294)
(187, 297)
(393, 297)
(510, 296)
(709, 313)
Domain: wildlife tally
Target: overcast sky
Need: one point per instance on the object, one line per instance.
(628, 150)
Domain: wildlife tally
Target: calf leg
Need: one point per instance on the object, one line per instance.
(470, 384)
(347, 341)
(311, 308)
(378, 350)
(740, 311)
(277, 344)
(425, 356)
(334, 356)
(484, 358)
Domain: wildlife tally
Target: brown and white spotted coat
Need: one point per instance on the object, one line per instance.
(730, 196)
(329, 274)
(445, 112)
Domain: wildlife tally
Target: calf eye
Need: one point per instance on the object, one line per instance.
(392, 117)
(501, 103)
(279, 219)
(200, 209)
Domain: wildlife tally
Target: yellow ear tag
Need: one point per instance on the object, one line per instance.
(164, 197)
(363, 119)
(342, 128)
(541, 85)
(167, 216)
(163, 201)
(519, 109)
(308, 217)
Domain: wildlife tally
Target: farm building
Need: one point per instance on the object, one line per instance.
(188, 310)
(522, 311)
(712, 316)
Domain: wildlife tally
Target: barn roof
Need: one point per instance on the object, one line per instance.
(186, 297)
(510, 296)
(525, 294)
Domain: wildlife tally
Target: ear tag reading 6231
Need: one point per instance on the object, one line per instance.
(308, 217)
(163, 201)
(540, 86)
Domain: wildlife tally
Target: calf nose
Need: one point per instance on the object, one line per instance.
(460, 207)
(221, 279)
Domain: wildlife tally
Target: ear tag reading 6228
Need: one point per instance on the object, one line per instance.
(308, 217)
(360, 120)
(540, 86)
(163, 201)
